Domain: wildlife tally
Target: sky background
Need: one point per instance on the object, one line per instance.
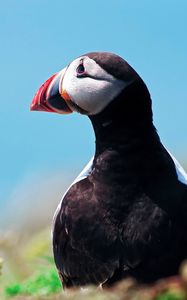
(40, 151)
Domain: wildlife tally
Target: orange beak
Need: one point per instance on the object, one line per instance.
(49, 98)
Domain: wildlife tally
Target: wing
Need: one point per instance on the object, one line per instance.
(85, 252)
(153, 243)
(146, 230)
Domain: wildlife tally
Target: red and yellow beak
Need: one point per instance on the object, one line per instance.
(50, 98)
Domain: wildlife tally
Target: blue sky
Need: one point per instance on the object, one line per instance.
(39, 37)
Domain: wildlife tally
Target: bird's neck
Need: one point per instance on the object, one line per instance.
(112, 135)
(127, 122)
(131, 161)
(125, 135)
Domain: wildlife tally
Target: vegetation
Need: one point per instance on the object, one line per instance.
(27, 272)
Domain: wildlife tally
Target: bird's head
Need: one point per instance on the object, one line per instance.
(88, 85)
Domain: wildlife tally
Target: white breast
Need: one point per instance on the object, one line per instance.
(181, 174)
(84, 173)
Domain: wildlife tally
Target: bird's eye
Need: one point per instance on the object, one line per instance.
(80, 70)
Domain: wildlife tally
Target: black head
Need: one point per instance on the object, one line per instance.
(115, 65)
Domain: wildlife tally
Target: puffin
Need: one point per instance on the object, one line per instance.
(125, 215)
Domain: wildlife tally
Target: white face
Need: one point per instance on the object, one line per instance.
(89, 86)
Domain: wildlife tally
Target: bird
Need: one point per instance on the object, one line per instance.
(125, 215)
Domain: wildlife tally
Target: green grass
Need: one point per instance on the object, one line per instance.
(27, 267)
(27, 272)
(41, 284)
(171, 296)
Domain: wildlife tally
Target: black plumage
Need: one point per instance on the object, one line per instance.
(127, 217)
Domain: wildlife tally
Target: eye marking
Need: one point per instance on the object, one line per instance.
(81, 70)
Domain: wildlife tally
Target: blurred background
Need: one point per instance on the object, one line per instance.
(41, 153)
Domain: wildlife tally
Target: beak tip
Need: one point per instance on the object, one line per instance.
(31, 107)
(48, 98)
(34, 106)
